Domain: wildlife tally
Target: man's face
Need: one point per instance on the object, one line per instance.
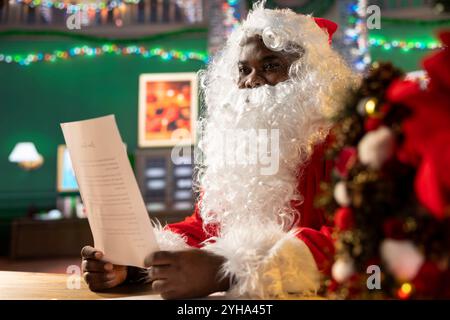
(259, 65)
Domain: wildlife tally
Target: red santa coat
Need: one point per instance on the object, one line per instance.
(281, 259)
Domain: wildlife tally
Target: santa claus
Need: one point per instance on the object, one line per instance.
(255, 231)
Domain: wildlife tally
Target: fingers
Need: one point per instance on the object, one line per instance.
(161, 286)
(89, 252)
(160, 272)
(99, 275)
(164, 273)
(167, 290)
(94, 277)
(171, 295)
(159, 258)
(89, 265)
(100, 281)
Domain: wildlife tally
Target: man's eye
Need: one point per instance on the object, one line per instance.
(271, 66)
(244, 70)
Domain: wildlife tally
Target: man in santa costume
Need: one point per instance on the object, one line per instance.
(255, 232)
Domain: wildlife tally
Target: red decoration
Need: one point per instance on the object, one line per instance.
(437, 66)
(372, 123)
(343, 219)
(346, 159)
(427, 131)
(427, 282)
(385, 108)
(432, 182)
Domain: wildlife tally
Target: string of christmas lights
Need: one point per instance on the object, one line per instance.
(75, 7)
(406, 46)
(356, 34)
(29, 58)
(232, 15)
(223, 17)
(112, 49)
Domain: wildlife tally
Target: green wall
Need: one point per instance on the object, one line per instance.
(36, 98)
(410, 31)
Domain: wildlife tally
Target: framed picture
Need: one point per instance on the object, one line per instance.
(168, 104)
(66, 180)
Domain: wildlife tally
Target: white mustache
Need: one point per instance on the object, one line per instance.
(258, 101)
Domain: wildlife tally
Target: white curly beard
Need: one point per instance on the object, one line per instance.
(237, 190)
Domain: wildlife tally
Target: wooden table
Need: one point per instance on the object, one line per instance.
(50, 286)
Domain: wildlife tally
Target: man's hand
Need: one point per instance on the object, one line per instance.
(98, 274)
(185, 274)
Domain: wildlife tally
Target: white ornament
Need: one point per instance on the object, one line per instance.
(402, 258)
(342, 270)
(376, 147)
(341, 194)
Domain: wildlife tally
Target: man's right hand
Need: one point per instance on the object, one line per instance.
(99, 274)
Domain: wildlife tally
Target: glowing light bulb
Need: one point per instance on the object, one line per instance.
(405, 291)
(370, 106)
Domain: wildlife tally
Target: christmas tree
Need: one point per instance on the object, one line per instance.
(389, 196)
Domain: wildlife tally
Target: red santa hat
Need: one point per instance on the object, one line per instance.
(329, 26)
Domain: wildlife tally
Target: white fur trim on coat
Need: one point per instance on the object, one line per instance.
(267, 263)
(168, 240)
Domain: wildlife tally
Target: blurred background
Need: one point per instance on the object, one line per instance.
(63, 60)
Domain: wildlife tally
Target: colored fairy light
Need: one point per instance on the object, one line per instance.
(405, 291)
(404, 45)
(355, 40)
(370, 106)
(406, 288)
(223, 21)
(63, 5)
(29, 58)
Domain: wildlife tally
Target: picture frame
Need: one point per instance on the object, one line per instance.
(168, 108)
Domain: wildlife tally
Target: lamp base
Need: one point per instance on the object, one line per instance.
(31, 165)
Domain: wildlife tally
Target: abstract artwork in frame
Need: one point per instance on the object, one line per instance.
(168, 104)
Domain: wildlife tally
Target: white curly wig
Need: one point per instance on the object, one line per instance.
(300, 108)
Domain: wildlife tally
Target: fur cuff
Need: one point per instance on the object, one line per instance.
(168, 240)
(267, 263)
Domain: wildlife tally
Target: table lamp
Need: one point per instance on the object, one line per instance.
(26, 156)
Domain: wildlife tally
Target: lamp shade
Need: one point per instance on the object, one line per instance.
(24, 152)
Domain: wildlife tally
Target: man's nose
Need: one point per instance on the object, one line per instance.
(254, 81)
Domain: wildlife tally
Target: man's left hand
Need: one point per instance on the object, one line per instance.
(186, 274)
